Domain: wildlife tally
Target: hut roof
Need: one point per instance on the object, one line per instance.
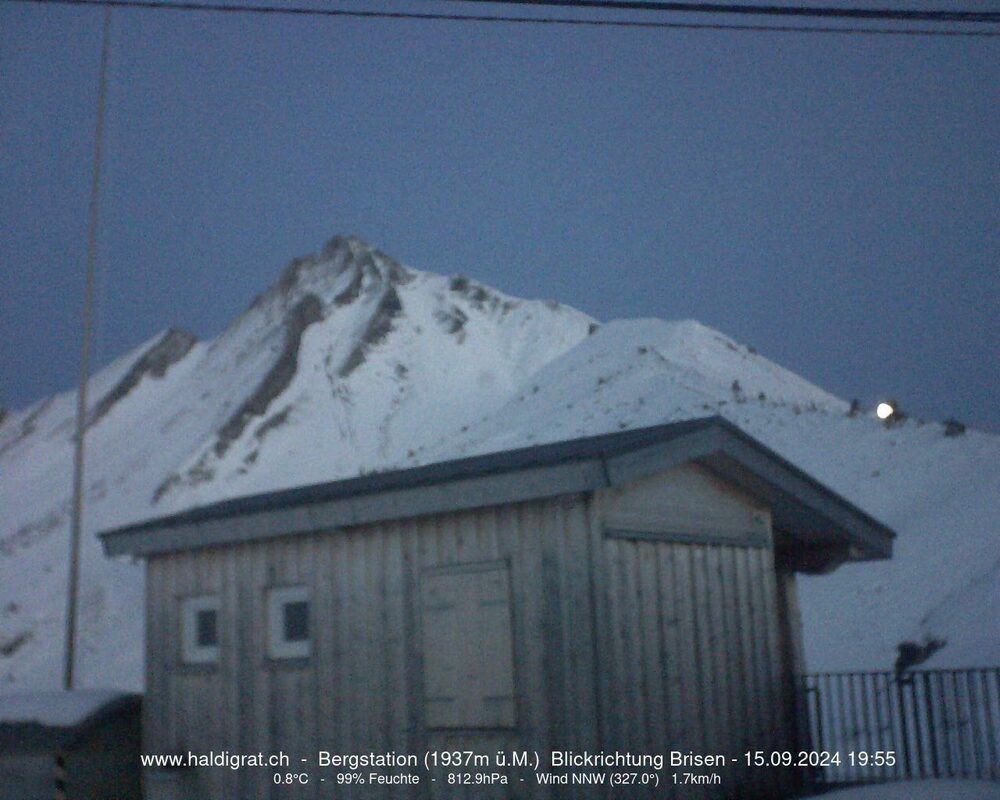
(808, 512)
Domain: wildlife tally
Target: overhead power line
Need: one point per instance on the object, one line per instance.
(823, 12)
(308, 11)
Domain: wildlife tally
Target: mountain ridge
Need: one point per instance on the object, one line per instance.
(352, 362)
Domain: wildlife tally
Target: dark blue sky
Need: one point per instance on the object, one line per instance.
(832, 201)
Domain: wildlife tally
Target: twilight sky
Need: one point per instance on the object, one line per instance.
(832, 201)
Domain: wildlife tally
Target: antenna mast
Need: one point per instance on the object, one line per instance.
(81, 396)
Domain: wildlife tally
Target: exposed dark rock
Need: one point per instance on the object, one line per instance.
(395, 271)
(352, 291)
(912, 654)
(377, 329)
(165, 486)
(33, 531)
(592, 328)
(10, 646)
(453, 320)
(354, 360)
(479, 296)
(289, 277)
(303, 314)
(27, 426)
(155, 362)
(200, 473)
(338, 244)
(381, 322)
(272, 422)
(340, 254)
(952, 427)
(360, 255)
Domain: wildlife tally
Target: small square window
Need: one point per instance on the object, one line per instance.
(206, 625)
(288, 622)
(200, 630)
(297, 621)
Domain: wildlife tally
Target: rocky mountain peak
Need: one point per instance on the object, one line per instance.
(344, 269)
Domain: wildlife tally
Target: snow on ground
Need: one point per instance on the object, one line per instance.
(919, 790)
(353, 363)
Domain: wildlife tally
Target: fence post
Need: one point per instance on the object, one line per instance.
(805, 734)
(974, 717)
(60, 777)
(931, 728)
(904, 726)
(991, 743)
(960, 735)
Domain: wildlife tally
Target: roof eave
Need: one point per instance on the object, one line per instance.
(800, 503)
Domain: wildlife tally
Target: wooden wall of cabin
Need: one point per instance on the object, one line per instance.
(361, 688)
(694, 654)
(687, 653)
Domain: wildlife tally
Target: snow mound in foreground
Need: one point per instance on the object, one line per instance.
(919, 790)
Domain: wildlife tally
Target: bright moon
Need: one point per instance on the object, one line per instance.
(884, 411)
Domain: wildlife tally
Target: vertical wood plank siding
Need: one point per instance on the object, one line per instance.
(360, 690)
(719, 700)
(619, 644)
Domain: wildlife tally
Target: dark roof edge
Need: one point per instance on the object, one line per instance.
(804, 476)
(468, 467)
(173, 532)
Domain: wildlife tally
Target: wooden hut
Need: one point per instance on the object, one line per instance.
(609, 598)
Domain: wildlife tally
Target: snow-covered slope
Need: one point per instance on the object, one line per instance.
(344, 366)
(940, 493)
(353, 362)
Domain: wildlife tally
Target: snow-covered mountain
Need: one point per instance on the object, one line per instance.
(352, 362)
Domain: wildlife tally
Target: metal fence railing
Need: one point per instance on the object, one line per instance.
(936, 723)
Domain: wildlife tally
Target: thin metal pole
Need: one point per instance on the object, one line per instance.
(81, 396)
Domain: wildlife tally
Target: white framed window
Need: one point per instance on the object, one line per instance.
(468, 646)
(200, 630)
(289, 627)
